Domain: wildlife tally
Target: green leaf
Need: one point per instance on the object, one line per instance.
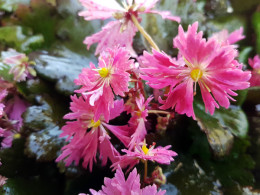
(221, 127)
(219, 138)
(20, 38)
(41, 17)
(234, 119)
(241, 97)
(244, 54)
(256, 25)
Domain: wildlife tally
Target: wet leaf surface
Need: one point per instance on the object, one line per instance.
(192, 179)
(61, 70)
(220, 138)
(37, 118)
(234, 119)
(45, 144)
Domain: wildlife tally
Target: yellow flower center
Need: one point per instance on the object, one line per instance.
(17, 136)
(139, 113)
(94, 124)
(145, 149)
(196, 74)
(258, 71)
(103, 72)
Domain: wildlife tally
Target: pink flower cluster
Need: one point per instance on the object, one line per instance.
(119, 185)
(206, 65)
(88, 132)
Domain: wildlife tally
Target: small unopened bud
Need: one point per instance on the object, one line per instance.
(158, 176)
(162, 123)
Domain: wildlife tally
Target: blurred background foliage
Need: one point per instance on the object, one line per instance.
(218, 154)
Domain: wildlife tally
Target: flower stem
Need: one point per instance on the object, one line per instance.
(145, 170)
(144, 33)
(158, 112)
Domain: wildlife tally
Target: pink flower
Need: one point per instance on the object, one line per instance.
(228, 39)
(212, 66)
(19, 63)
(111, 35)
(160, 154)
(119, 185)
(121, 31)
(3, 93)
(88, 137)
(98, 83)
(138, 119)
(7, 137)
(15, 107)
(255, 64)
(2, 180)
(9, 128)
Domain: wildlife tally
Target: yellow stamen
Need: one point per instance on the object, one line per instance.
(145, 149)
(94, 124)
(118, 15)
(205, 85)
(258, 71)
(103, 72)
(196, 74)
(187, 62)
(139, 113)
(17, 136)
